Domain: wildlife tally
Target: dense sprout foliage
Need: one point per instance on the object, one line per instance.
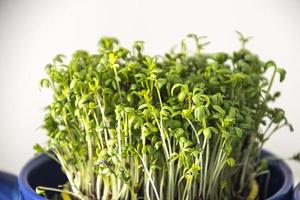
(185, 125)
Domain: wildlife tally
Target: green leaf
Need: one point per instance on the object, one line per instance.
(296, 157)
(38, 148)
(214, 130)
(217, 99)
(182, 95)
(225, 134)
(282, 73)
(200, 113)
(228, 120)
(174, 87)
(195, 168)
(239, 132)
(199, 99)
(269, 64)
(112, 59)
(187, 114)
(207, 133)
(243, 39)
(143, 106)
(278, 115)
(138, 45)
(45, 83)
(73, 83)
(161, 82)
(219, 109)
(157, 145)
(59, 58)
(173, 157)
(291, 127)
(220, 57)
(105, 171)
(230, 162)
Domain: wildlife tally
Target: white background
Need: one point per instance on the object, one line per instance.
(32, 32)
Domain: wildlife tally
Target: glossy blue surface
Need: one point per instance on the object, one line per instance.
(296, 195)
(8, 187)
(43, 171)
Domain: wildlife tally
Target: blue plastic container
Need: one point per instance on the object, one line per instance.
(296, 195)
(43, 171)
(8, 187)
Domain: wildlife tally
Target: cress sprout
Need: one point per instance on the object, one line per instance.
(184, 125)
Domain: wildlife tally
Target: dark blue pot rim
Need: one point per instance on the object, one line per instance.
(288, 183)
(284, 191)
(24, 186)
(296, 195)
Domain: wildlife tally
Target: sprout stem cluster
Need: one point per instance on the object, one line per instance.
(184, 125)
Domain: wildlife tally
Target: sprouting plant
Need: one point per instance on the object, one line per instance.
(125, 125)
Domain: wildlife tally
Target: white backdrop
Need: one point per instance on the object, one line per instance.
(33, 31)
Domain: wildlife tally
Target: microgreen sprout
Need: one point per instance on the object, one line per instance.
(126, 125)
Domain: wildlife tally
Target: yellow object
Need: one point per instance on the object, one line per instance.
(254, 191)
(65, 196)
